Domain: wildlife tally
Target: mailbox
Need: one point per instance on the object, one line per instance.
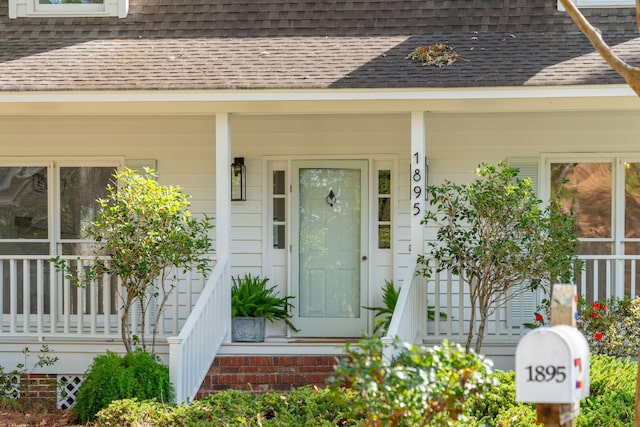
(552, 366)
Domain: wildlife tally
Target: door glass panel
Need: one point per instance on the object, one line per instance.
(586, 187)
(384, 209)
(330, 220)
(279, 209)
(23, 203)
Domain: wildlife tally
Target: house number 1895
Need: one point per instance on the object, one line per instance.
(416, 177)
(546, 373)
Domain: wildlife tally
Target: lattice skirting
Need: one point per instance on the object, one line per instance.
(67, 388)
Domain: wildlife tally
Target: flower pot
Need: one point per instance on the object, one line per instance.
(248, 329)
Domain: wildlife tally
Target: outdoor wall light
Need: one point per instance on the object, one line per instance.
(238, 180)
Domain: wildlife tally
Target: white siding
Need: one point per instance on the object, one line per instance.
(184, 148)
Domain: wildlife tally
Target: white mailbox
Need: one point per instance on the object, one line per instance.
(552, 366)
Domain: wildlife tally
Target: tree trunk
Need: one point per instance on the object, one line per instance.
(480, 335)
(473, 296)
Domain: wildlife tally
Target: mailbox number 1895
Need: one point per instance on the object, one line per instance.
(548, 373)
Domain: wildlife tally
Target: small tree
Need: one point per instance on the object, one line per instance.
(494, 235)
(149, 235)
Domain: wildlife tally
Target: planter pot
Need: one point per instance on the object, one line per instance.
(248, 329)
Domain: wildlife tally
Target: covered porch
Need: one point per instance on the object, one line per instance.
(402, 130)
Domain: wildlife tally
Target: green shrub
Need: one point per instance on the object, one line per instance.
(300, 407)
(612, 393)
(111, 377)
(611, 326)
(610, 403)
(130, 412)
(421, 386)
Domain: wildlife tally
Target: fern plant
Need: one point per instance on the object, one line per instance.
(384, 313)
(251, 297)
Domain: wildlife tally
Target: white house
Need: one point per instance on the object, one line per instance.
(336, 128)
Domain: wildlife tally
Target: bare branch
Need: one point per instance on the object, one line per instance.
(629, 73)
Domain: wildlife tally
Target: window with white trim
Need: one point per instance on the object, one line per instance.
(600, 3)
(44, 207)
(37, 8)
(604, 193)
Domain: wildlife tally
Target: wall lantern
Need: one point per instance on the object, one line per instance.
(238, 180)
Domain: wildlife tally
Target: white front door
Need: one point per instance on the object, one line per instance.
(329, 247)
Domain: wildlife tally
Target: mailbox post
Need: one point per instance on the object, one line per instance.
(552, 363)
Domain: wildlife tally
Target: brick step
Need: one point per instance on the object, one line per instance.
(266, 372)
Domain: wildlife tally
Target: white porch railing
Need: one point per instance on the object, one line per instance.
(37, 302)
(410, 313)
(601, 277)
(209, 325)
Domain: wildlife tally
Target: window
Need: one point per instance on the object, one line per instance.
(601, 3)
(43, 209)
(605, 196)
(26, 8)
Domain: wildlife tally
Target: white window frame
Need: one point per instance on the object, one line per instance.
(32, 8)
(600, 3)
(53, 165)
(617, 160)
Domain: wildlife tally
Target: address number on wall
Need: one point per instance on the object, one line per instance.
(417, 183)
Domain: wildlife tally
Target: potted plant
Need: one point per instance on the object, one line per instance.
(252, 303)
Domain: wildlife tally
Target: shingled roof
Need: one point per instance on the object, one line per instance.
(280, 44)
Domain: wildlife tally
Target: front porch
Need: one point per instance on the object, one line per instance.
(79, 323)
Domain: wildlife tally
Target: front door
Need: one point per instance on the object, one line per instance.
(329, 247)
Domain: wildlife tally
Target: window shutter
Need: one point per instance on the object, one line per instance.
(523, 306)
(528, 168)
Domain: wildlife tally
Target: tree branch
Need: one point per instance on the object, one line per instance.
(629, 73)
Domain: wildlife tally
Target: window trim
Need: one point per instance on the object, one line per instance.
(31, 8)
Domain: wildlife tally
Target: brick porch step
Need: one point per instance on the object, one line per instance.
(273, 365)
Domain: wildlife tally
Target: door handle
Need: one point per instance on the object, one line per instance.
(364, 257)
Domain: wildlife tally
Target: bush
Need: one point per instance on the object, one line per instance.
(612, 393)
(611, 327)
(611, 400)
(111, 377)
(302, 406)
(421, 386)
(130, 412)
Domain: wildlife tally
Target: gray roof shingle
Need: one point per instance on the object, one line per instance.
(257, 44)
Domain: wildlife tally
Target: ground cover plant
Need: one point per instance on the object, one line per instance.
(610, 403)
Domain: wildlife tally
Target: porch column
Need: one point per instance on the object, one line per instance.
(417, 181)
(223, 208)
(223, 186)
